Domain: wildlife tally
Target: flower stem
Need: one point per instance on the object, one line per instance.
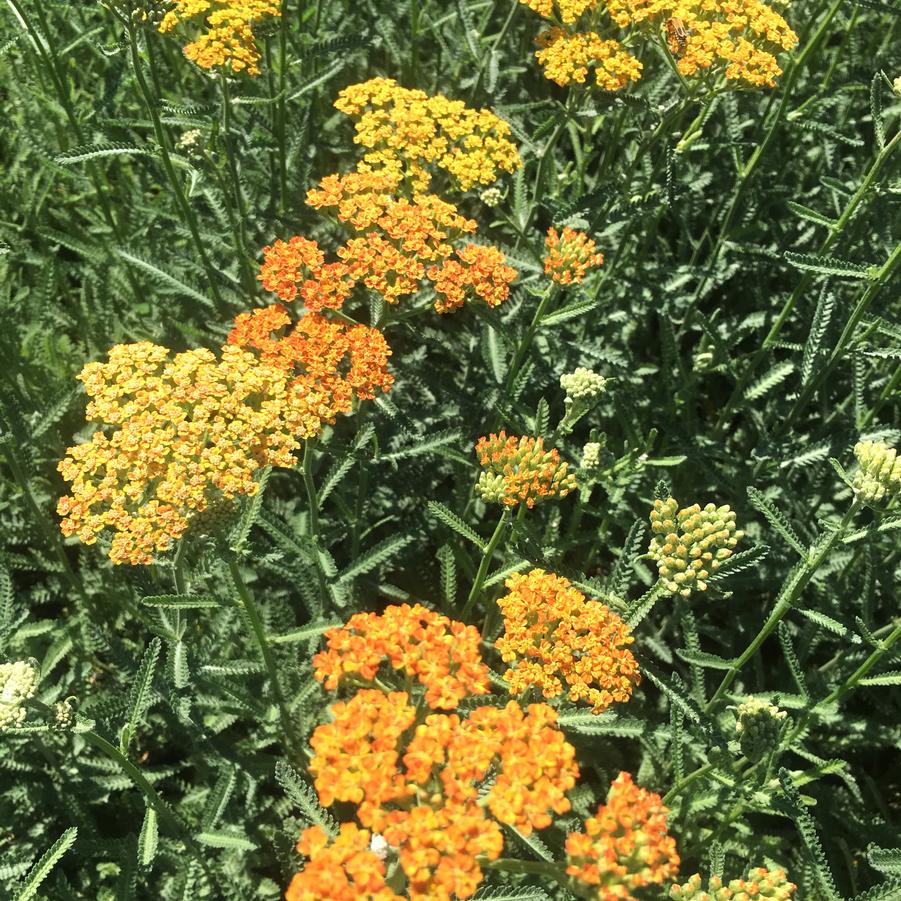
(486, 560)
(313, 503)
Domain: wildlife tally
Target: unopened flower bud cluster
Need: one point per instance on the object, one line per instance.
(758, 725)
(17, 684)
(582, 386)
(591, 455)
(689, 545)
(878, 478)
(761, 885)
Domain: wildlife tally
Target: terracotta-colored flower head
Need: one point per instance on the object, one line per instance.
(625, 845)
(520, 470)
(563, 643)
(569, 256)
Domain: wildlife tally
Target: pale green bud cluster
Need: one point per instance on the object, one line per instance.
(878, 478)
(491, 196)
(17, 684)
(63, 714)
(582, 386)
(191, 142)
(689, 545)
(758, 725)
(491, 487)
(896, 85)
(216, 519)
(591, 455)
(761, 885)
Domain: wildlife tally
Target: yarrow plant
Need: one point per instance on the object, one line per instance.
(760, 883)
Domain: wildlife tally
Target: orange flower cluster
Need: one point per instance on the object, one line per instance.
(422, 793)
(407, 133)
(520, 470)
(439, 653)
(186, 432)
(625, 845)
(343, 870)
(569, 256)
(480, 270)
(332, 359)
(228, 39)
(556, 637)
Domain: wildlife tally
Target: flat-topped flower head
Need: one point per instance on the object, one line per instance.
(690, 544)
(570, 255)
(582, 387)
(180, 432)
(625, 845)
(18, 681)
(569, 57)
(520, 470)
(437, 795)
(567, 11)
(340, 869)
(478, 271)
(761, 884)
(878, 476)
(409, 133)
(227, 38)
(438, 653)
(563, 643)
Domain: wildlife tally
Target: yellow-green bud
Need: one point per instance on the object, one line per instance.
(591, 455)
(758, 725)
(896, 85)
(761, 885)
(63, 714)
(491, 196)
(582, 386)
(689, 545)
(491, 487)
(878, 477)
(17, 684)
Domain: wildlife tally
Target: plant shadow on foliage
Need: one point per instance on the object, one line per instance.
(745, 318)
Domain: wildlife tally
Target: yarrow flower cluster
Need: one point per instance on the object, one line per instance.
(625, 845)
(185, 432)
(570, 255)
(761, 884)
(878, 476)
(563, 643)
(690, 544)
(582, 387)
(17, 684)
(228, 38)
(740, 38)
(439, 653)
(421, 782)
(409, 133)
(520, 470)
(758, 725)
(401, 240)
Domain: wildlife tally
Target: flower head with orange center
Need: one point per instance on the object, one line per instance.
(343, 869)
(407, 133)
(440, 654)
(625, 845)
(228, 39)
(570, 255)
(520, 470)
(287, 263)
(182, 433)
(569, 57)
(482, 271)
(563, 643)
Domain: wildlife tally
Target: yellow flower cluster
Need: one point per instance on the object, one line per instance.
(227, 39)
(560, 641)
(188, 430)
(409, 133)
(568, 57)
(738, 37)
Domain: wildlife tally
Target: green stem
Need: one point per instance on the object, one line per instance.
(313, 503)
(187, 212)
(550, 869)
(797, 584)
(293, 743)
(282, 113)
(486, 560)
(683, 783)
(140, 781)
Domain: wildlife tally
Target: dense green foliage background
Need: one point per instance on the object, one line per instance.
(748, 341)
